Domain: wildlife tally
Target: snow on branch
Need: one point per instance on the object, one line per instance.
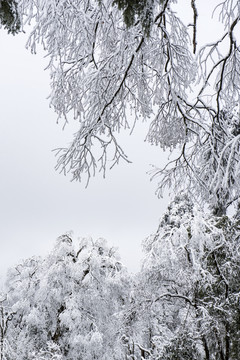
(107, 76)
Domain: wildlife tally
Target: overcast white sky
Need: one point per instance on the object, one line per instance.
(36, 203)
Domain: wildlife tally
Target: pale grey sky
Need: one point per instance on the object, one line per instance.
(37, 204)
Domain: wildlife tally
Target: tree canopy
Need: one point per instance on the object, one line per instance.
(115, 63)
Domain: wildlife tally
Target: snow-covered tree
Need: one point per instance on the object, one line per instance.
(108, 72)
(68, 305)
(6, 315)
(191, 273)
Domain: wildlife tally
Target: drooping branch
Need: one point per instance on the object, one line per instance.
(102, 70)
(176, 296)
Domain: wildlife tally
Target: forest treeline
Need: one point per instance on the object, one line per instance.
(79, 302)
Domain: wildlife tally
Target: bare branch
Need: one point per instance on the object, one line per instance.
(195, 15)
